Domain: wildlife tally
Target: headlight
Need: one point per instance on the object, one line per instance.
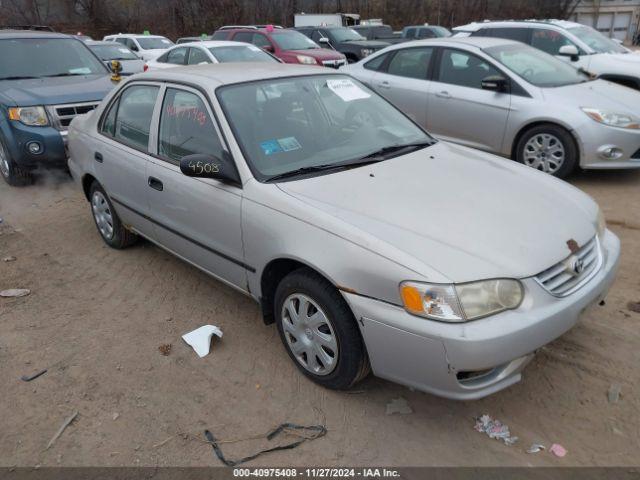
(32, 116)
(307, 60)
(601, 224)
(366, 52)
(462, 302)
(620, 120)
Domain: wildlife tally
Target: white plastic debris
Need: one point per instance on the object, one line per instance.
(535, 448)
(15, 292)
(495, 429)
(400, 406)
(200, 338)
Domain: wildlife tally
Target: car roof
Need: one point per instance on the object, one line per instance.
(213, 44)
(102, 42)
(31, 34)
(133, 35)
(478, 42)
(232, 73)
(475, 26)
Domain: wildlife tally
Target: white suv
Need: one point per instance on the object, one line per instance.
(147, 47)
(585, 47)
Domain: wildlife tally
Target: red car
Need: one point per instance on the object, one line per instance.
(289, 46)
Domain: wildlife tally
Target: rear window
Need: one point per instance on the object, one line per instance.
(220, 35)
(240, 53)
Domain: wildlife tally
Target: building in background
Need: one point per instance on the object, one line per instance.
(618, 19)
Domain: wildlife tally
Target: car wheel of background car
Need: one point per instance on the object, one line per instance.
(12, 174)
(319, 331)
(548, 148)
(107, 221)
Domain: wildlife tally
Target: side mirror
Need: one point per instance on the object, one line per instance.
(495, 83)
(570, 51)
(208, 166)
(133, 48)
(268, 48)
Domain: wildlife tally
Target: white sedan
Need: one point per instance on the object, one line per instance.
(198, 53)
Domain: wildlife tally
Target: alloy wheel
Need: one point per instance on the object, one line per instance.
(309, 334)
(544, 152)
(102, 214)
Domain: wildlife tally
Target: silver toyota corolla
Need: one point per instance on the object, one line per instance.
(370, 244)
(511, 99)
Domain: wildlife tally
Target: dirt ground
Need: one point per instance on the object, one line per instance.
(96, 317)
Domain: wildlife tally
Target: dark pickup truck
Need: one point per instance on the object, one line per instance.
(46, 79)
(344, 40)
(384, 33)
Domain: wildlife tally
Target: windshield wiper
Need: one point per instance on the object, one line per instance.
(387, 152)
(67, 74)
(18, 78)
(304, 170)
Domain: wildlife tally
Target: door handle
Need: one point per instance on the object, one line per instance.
(98, 157)
(156, 184)
(443, 94)
(384, 84)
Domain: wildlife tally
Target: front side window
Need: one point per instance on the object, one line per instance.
(243, 37)
(517, 34)
(197, 56)
(426, 33)
(260, 40)
(23, 58)
(177, 56)
(412, 63)
(411, 33)
(241, 53)
(133, 120)
(464, 69)
(549, 41)
(284, 125)
(186, 127)
(536, 67)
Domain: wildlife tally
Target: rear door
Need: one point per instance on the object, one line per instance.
(197, 219)
(459, 109)
(121, 156)
(404, 80)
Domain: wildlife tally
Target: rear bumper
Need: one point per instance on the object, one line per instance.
(475, 359)
(52, 143)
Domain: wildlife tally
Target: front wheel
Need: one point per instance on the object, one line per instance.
(319, 331)
(548, 148)
(12, 174)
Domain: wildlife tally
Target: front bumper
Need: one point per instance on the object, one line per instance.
(595, 137)
(52, 141)
(439, 357)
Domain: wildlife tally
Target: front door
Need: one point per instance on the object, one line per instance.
(197, 219)
(459, 109)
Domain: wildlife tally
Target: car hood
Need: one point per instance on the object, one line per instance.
(455, 212)
(318, 53)
(375, 44)
(596, 94)
(632, 60)
(57, 90)
(152, 53)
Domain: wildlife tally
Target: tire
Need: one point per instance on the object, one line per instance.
(350, 361)
(107, 221)
(12, 174)
(540, 147)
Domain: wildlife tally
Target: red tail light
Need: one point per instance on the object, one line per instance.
(145, 68)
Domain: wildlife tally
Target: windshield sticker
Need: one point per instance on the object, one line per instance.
(270, 147)
(80, 71)
(346, 89)
(287, 144)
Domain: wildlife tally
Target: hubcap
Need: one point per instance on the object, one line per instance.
(544, 152)
(102, 214)
(4, 163)
(309, 334)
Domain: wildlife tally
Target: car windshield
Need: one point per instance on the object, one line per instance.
(240, 53)
(301, 123)
(536, 67)
(153, 43)
(441, 31)
(345, 34)
(113, 52)
(598, 42)
(293, 41)
(46, 57)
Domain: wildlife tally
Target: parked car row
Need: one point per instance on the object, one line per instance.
(318, 192)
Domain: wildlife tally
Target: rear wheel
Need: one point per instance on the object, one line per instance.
(548, 148)
(319, 331)
(12, 174)
(107, 221)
